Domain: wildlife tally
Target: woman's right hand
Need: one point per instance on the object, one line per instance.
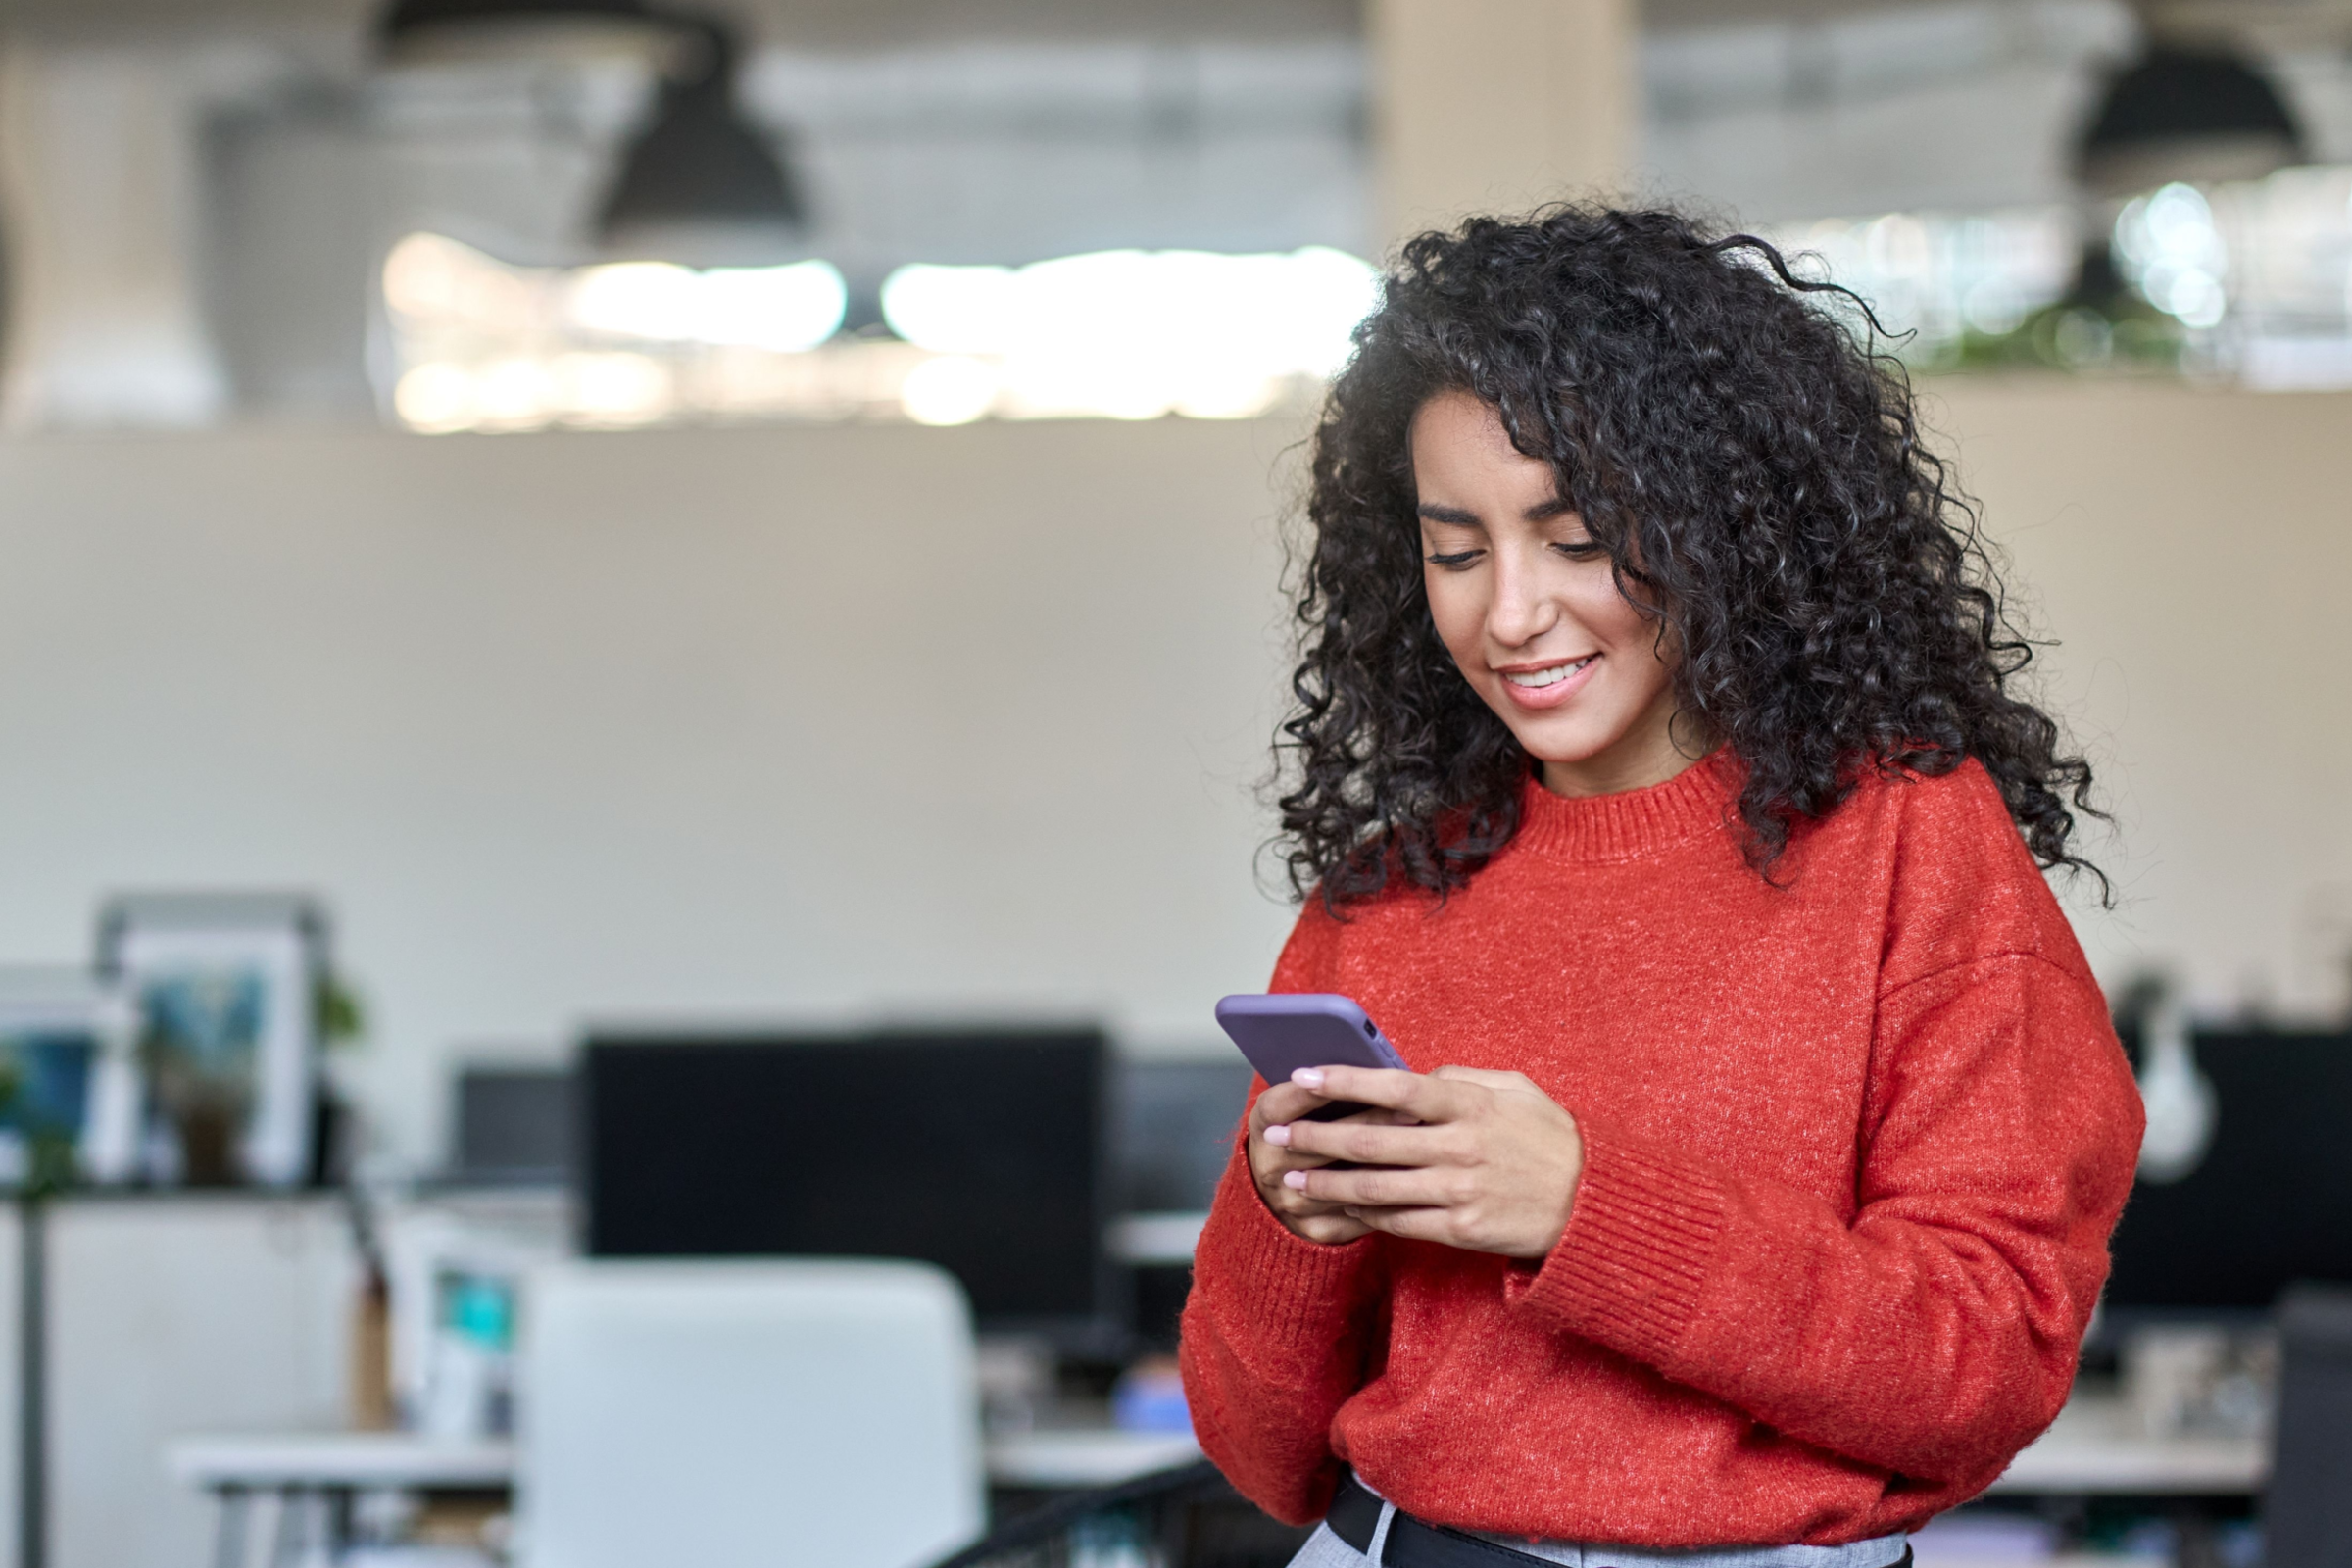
(1279, 1107)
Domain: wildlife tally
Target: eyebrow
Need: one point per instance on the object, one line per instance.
(1542, 512)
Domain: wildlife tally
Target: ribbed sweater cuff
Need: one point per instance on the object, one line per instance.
(1293, 1293)
(1640, 1242)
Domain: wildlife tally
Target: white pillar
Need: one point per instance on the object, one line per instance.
(99, 184)
(1498, 105)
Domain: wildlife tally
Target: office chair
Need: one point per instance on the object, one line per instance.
(731, 1413)
(2307, 1516)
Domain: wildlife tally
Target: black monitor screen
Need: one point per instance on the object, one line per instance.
(2270, 1203)
(980, 1153)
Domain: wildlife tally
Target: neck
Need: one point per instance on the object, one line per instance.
(1643, 755)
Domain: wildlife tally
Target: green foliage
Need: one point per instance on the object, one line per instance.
(2071, 336)
(336, 1008)
(53, 1165)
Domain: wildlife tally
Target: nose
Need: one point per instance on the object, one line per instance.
(1522, 611)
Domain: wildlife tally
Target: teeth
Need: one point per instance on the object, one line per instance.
(1549, 677)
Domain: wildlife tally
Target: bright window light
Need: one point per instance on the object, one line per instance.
(1932, 277)
(430, 277)
(637, 299)
(486, 345)
(787, 310)
(1136, 335)
(612, 388)
(517, 391)
(1288, 314)
(435, 397)
(2170, 245)
(949, 389)
(952, 310)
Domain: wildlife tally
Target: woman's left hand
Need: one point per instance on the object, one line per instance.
(1493, 1166)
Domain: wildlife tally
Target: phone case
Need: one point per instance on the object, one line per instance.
(1281, 1034)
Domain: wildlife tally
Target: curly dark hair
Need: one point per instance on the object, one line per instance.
(1752, 463)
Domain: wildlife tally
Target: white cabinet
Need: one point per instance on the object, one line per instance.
(175, 1314)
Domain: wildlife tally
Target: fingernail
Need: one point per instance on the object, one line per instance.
(1279, 1133)
(1309, 1077)
(1295, 1179)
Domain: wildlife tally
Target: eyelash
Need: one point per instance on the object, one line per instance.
(1582, 550)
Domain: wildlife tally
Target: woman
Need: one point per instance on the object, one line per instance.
(1664, 783)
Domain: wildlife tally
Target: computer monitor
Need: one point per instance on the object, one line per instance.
(514, 1125)
(980, 1151)
(2270, 1203)
(1174, 1124)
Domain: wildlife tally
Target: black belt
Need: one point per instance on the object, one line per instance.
(1412, 1543)
(1416, 1544)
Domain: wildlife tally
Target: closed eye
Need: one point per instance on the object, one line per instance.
(1456, 561)
(1580, 549)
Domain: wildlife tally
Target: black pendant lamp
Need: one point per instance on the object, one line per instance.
(411, 29)
(2197, 115)
(699, 185)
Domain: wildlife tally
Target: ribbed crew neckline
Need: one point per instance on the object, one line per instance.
(1630, 822)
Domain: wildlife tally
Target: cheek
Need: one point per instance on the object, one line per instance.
(1643, 667)
(1457, 610)
(1609, 617)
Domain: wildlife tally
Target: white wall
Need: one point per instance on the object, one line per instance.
(814, 722)
(725, 724)
(2190, 549)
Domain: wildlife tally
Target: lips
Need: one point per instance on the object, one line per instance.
(1549, 675)
(1548, 685)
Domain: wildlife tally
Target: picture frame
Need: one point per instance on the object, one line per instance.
(69, 1078)
(226, 991)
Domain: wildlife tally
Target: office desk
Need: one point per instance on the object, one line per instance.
(331, 1460)
(308, 1480)
(2093, 1449)
(356, 1461)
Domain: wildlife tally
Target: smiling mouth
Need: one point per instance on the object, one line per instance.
(1550, 675)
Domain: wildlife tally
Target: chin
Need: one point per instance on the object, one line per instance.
(1565, 743)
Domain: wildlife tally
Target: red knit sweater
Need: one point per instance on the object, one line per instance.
(1853, 1148)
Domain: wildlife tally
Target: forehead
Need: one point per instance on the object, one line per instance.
(1462, 455)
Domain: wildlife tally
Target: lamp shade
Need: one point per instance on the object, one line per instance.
(2176, 114)
(409, 14)
(411, 29)
(699, 185)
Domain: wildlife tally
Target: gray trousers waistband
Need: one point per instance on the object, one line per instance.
(1879, 1552)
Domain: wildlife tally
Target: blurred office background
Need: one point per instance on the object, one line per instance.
(575, 568)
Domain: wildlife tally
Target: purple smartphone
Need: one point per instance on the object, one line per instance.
(1281, 1034)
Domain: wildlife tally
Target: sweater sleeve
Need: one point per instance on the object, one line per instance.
(1277, 1330)
(1276, 1337)
(1933, 1333)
